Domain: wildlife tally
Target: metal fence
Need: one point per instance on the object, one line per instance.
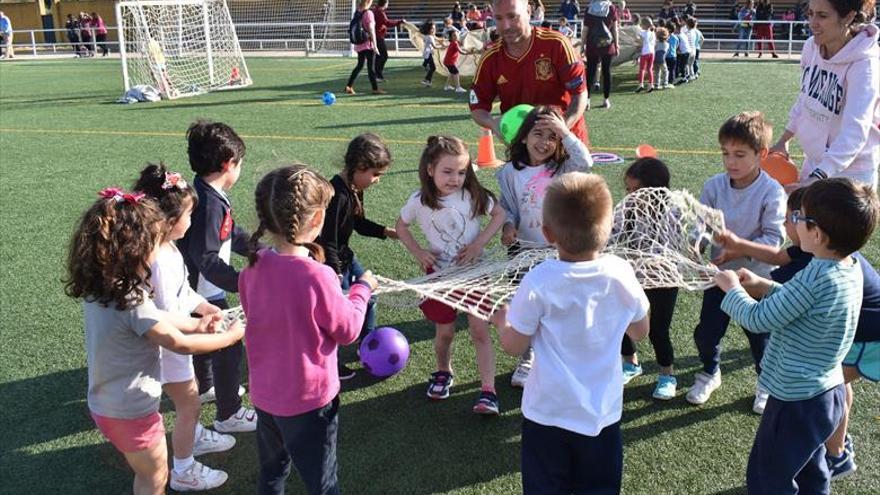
(310, 38)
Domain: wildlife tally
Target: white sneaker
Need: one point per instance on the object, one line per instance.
(760, 402)
(523, 368)
(210, 395)
(460, 90)
(448, 88)
(196, 478)
(704, 385)
(242, 421)
(209, 441)
(426, 84)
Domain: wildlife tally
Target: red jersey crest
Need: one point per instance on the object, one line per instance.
(226, 226)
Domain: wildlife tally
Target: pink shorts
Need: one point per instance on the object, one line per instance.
(131, 435)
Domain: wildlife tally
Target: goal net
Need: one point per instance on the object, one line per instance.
(180, 47)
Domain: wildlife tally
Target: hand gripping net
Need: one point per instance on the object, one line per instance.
(662, 234)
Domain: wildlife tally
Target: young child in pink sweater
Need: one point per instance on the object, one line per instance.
(297, 316)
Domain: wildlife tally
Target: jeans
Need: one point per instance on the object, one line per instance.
(711, 329)
(744, 35)
(309, 440)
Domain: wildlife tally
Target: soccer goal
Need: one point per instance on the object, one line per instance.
(180, 47)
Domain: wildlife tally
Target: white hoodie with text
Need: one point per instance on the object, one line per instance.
(836, 117)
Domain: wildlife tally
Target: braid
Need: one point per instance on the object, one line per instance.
(296, 206)
(254, 243)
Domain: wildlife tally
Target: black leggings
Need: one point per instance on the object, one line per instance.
(222, 370)
(592, 66)
(381, 58)
(430, 67)
(368, 57)
(662, 306)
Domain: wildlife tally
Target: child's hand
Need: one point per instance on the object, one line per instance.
(236, 331)
(390, 233)
(210, 323)
(425, 258)
(499, 317)
(726, 280)
(508, 234)
(727, 239)
(748, 279)
(726, 255)
(469, 253)
(553, 123)
(369, 279)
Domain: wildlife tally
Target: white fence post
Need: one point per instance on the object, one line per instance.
(33, 43)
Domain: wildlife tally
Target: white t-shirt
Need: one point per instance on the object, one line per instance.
(169, 279)
(447, 229)
(430, 45)
(576, 314)
(531, 186)
(649, 40)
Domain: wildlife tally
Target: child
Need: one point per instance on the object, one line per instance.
(429, 41)
(651, 172)
(172, 293)
(698, 43)
(753, 205)
(543, 148)
(692, 37)
(574, 311)
(108, 266)
(566, 30)
(671, 55)
(646, 60)
(366, 160)
(811, 320)
(215, 155)
(297, 316)
(684, 53)
(863, 359)
(453, 51)
(448, 209)
(661, 74)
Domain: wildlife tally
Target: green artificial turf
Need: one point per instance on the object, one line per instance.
(62, 139)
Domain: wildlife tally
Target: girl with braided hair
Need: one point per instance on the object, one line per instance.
(366, 161)
(297, 317)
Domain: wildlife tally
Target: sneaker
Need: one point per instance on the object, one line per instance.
(666, 387)
(209, 441)
(640, 89)
(349, 90)
(631, 371)
(841, 467)
(448, 88)
(439, 385)
(460, 90)
(760, 402)
(760, 55)
(380, 79)
(426, 84)
(735, 55)
(242, 421)
(650, 89)
(670, 86)
(210, 395)
(345, 373)
(848, 445)
(704, 385)
(521, 373)
(196, 478)
(487, 404)
(775, 56)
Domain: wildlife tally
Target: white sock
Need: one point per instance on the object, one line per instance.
(198, 435)
(181, 465)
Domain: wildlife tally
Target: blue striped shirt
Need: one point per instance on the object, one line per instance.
(811, 321)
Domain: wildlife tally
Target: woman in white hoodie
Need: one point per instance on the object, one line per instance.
(836, 117)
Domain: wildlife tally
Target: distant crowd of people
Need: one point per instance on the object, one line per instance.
(87, 33)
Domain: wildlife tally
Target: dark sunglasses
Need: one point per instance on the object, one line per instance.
(798, 216)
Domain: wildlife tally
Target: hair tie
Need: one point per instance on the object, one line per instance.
(173, 180)
(118, 195)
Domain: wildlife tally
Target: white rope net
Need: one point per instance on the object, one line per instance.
(662, 233)
(181, 47)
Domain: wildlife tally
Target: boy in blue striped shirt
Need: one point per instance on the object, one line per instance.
(812, 321)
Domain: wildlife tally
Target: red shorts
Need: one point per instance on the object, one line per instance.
(131, 435)
(438, 312)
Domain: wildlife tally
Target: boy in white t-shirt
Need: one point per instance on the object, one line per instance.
(574, 312)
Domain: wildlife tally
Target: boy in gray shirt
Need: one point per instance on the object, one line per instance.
(753, 204)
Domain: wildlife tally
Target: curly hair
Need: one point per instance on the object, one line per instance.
(518, 152)
(108, 258)
(171, 192)
(286, 199)
(364, 152)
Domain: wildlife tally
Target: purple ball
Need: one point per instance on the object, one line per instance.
(384, 352)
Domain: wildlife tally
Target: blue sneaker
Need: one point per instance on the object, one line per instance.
(848, 445)
(631, 371)
(666, 387)
(842, 466)
(439, 385)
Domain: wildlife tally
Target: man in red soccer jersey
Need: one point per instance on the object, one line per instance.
(529, 65)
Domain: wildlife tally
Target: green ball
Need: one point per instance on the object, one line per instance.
(512, 120)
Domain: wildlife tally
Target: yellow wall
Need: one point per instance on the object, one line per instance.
(26, 15)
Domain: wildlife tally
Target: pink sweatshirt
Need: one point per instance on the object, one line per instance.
(297, 316)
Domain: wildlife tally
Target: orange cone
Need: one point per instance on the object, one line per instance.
(486, 151)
